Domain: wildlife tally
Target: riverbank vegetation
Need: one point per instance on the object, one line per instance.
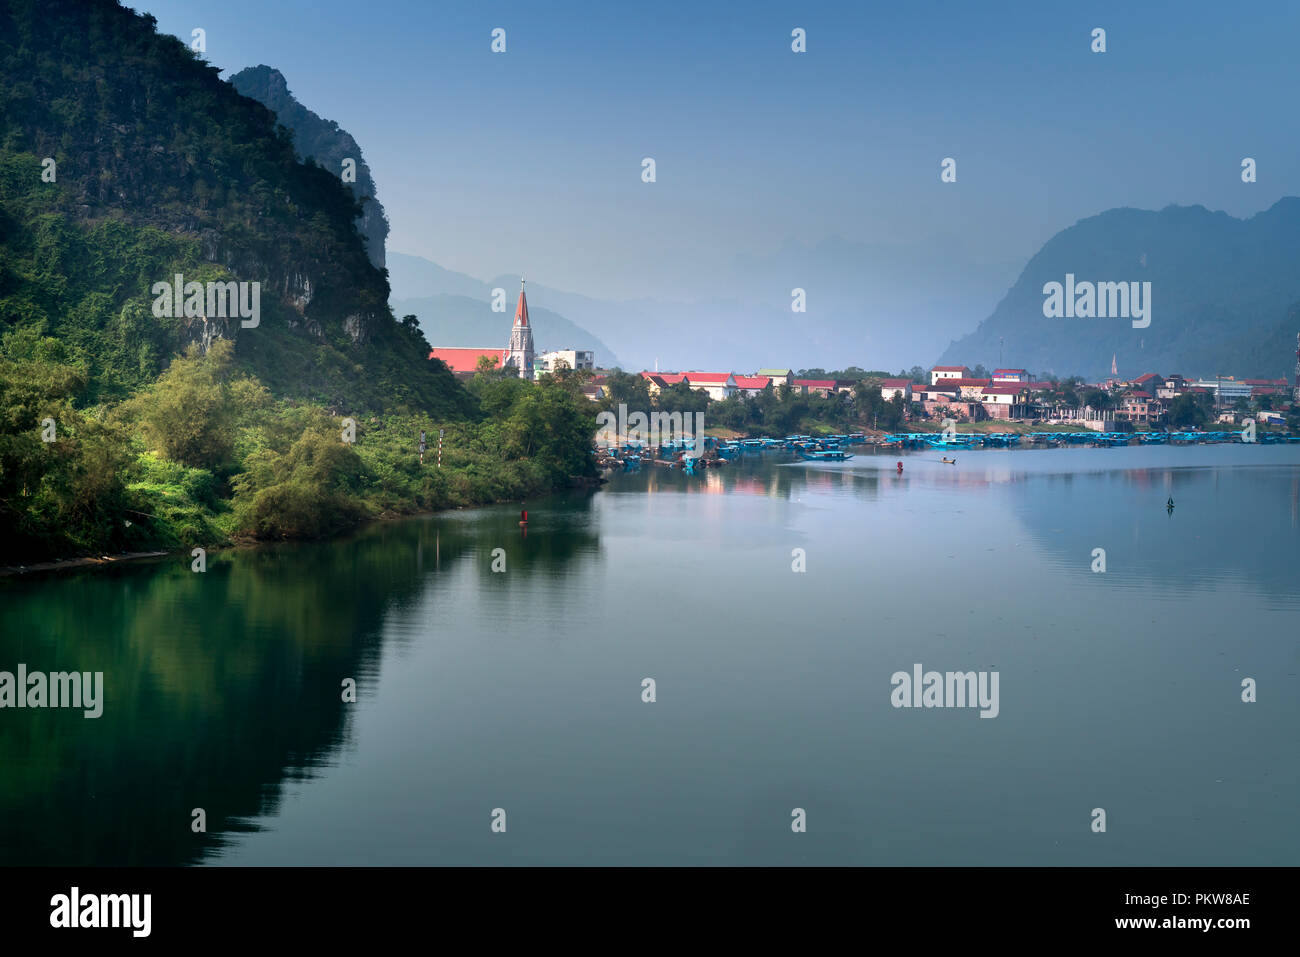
(206, 455)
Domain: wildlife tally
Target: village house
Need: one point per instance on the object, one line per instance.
(1140, 408)
(890, 387)
(1007, 401)
(752, 385)
(655, 381)
(1010, 375)
(948, 372)
(813, 386)
(779, 377)
(933, 398)
(968, 388)
(718, 385)
(1171, 387)
(563, 358)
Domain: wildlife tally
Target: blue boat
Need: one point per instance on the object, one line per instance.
(825, 455)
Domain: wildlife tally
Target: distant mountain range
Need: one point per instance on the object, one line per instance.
(867, 305)
(456, 310)
(1223, 297)
(1224, 300)
(324, 142)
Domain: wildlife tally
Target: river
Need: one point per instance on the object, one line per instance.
(517, 695)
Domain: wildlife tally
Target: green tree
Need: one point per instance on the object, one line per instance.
(1188, 411)
(188, 415)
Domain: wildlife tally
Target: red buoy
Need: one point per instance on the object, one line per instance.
(900, 466)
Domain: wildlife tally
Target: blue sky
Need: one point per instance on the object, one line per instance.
(530, 160)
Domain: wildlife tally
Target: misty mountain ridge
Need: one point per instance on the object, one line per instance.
(864, 307)
(1223, 296)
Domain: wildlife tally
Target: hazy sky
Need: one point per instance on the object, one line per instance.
(531, 160)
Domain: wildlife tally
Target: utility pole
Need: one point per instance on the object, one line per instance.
(440, 431)
(423, 446)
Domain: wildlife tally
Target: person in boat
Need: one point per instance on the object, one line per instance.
(1170, 503)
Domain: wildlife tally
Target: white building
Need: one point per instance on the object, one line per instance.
(948, 372)
(1226, 390)
(889, 386)
(564, 358)
(719, 385)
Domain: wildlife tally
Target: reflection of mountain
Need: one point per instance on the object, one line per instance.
(218, 686)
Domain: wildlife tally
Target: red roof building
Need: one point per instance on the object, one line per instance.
(752, 384)
(465, 360)
(1268, 386)
(819, 386)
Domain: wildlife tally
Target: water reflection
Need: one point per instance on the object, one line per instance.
(222, 685)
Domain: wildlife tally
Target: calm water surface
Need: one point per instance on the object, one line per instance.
(522, 690)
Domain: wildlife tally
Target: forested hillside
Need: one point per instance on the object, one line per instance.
(125, 161)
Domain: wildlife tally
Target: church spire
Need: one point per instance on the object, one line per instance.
(521, 310)
(519, 353)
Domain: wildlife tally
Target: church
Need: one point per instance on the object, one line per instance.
(518, 355)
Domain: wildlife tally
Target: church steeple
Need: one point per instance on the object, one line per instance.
(521, 310)
(519, 353)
